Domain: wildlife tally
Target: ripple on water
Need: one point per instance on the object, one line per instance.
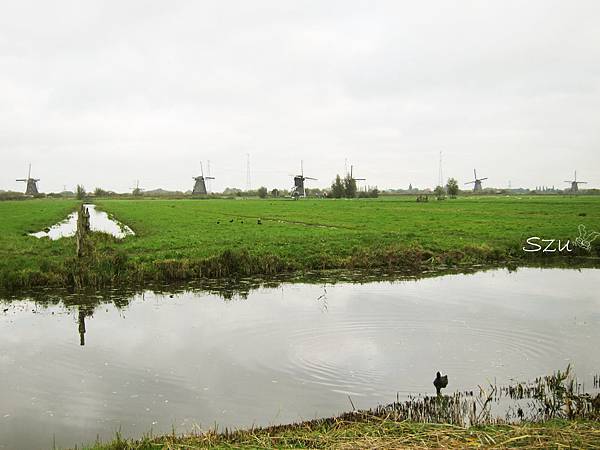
(357, 354)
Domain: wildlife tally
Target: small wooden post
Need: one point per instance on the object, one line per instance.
(83, 228)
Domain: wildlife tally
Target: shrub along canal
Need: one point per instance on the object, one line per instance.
(88, 366)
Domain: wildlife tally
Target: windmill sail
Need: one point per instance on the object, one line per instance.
(200, 182)
(477, 186)
(31, 187)
(298, 190)
(574, 183)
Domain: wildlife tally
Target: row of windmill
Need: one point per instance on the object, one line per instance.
(477, 186)
(298, 190)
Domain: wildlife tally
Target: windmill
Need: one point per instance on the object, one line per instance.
(31, 188)
(352, 177)
(574, 183)
(298, 188)
(476, 182)
(137, 190)
(200, 185)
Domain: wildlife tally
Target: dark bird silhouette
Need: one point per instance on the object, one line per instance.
(231, 221)
(440, 382)
(259, 222)
(218, 222)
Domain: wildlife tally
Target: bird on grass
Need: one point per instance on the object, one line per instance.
(440, 382)
(231, 221)
(259, 222)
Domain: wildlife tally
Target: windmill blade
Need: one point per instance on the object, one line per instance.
(359, 179)
(309, 178)
(469, 182)
(209, 178)
(475, 173)
(20, 179)
(481, 179)
(582, 182)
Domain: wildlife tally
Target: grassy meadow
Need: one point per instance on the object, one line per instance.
(21, 256)
(186, 238)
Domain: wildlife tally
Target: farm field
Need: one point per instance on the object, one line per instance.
(174, 237)
(23, 254)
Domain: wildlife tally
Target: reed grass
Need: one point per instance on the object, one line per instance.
(382, 433)
(424, 422)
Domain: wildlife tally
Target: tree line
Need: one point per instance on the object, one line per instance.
(346, 188)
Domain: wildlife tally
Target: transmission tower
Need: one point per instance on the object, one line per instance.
(440, 175)
(208, 178)
(248, 184)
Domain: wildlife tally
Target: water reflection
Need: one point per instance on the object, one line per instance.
(80, 365)
(99, 222)
(83, 313)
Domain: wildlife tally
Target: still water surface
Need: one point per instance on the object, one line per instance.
(282, 354)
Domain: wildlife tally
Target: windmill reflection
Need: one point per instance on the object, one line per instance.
(83, 313)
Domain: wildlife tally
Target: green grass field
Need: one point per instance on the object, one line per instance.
(175, 238)
(21, 255)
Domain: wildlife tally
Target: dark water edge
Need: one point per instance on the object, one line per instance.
(230, 287)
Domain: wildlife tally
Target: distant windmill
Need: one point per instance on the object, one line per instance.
(31, 188)
(298, 188)
(200, 185)
(352, 176)
(476, 182)
(137, 190)
(574, 183)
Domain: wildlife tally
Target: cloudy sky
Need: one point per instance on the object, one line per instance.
(103, 93)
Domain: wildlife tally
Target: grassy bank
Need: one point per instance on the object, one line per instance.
(428, 422)
(184, 239)
(375, 432)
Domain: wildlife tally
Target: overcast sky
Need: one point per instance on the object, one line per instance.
(103, 93)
